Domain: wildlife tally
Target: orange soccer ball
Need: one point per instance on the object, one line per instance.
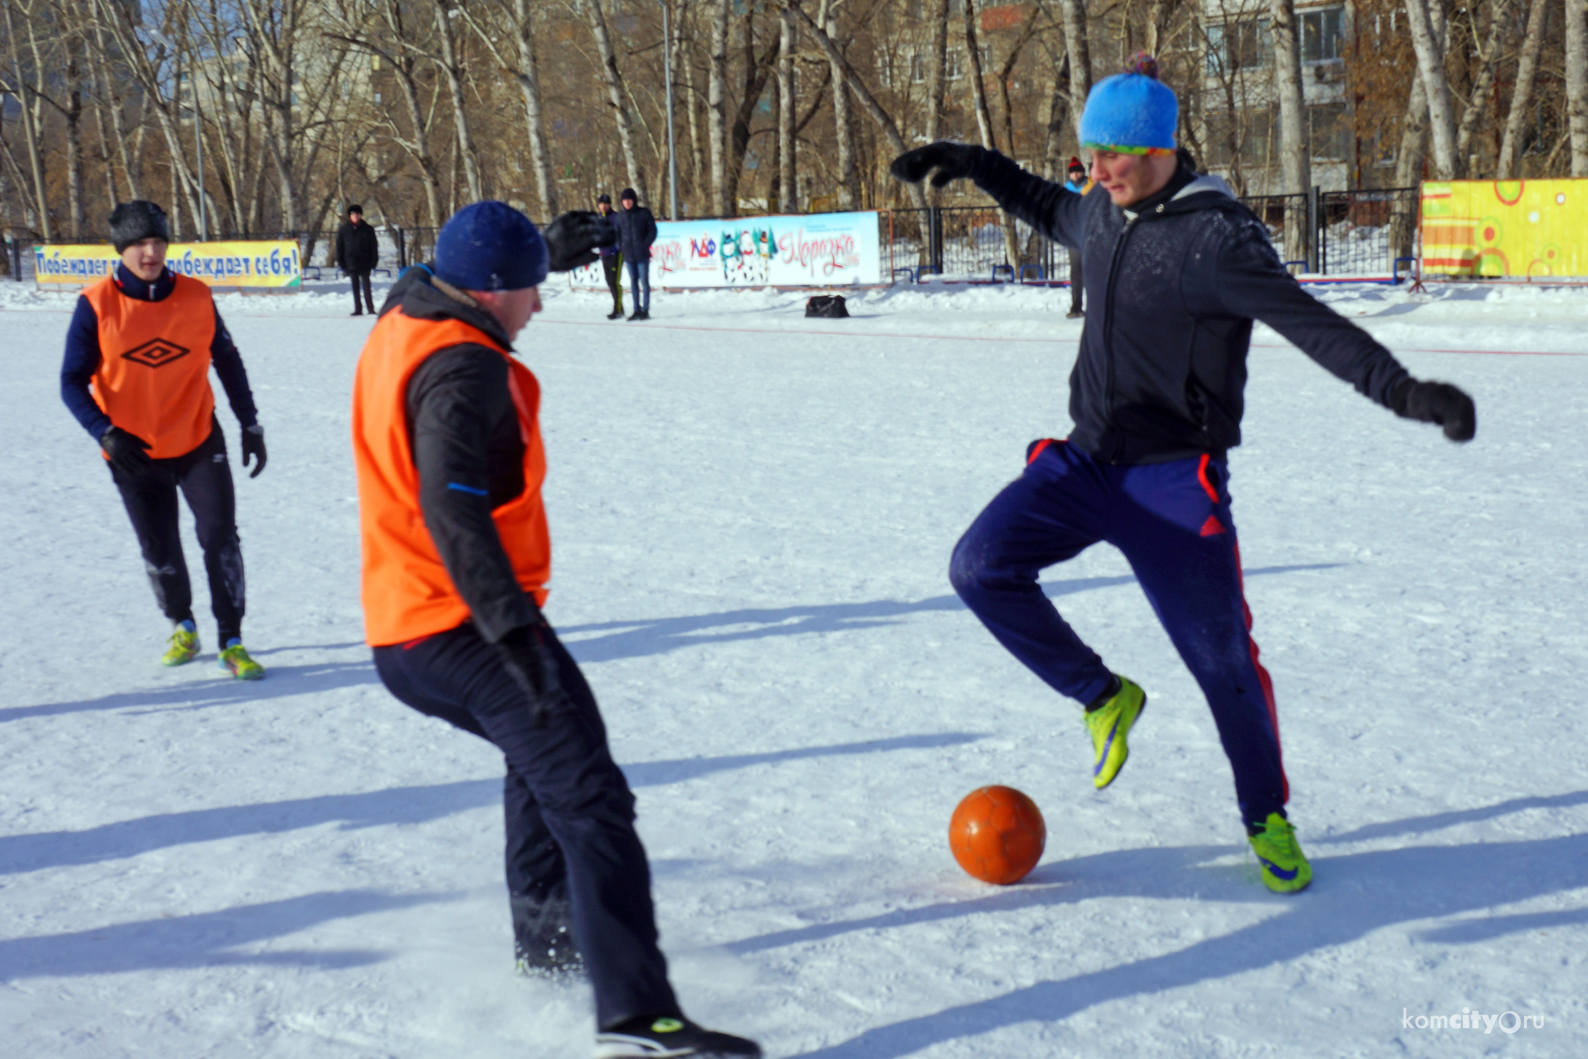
(997, 834)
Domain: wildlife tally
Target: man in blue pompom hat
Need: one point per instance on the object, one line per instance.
(1176, 272)
(456, 558)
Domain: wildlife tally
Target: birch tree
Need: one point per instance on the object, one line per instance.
(788, 186)
(1080, 54)
(1294, 150)
(1521, 96)
(717, 111)
(1577, 84)
(451, 64)
(1429, 45)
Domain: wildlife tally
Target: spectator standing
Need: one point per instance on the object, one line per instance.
(1079, 184)
(636, 232)
(357, 254)
(611, 263)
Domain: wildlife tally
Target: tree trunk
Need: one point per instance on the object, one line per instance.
(1526, 71)
(460, 113)
(717, 111)
(844, 130)
(757, 72)
(1577, 84)
(984, 125)
(1058, 103)
(697, 150)
(939, 59)
(29, 133)
(788, 188)
(1075, 40)
(1294, 150)
(534, 121)
(1409, 167)
(1428, 43)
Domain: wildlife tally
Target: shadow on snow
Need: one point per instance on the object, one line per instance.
(1352, 896)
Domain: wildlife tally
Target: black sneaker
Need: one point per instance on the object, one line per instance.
(665, 1038)
(615, 314)
(1074, 314)
(543, 945)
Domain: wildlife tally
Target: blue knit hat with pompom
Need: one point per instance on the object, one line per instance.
(1132, 112)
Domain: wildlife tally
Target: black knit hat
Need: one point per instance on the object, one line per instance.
(355, 208)
(604, 197)
(628, 193)
(132, 222)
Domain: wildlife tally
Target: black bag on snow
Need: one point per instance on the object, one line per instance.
(828, 306)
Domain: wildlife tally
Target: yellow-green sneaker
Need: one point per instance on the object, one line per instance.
(1109, 724)
(235, 660)
(1285, 867)
(183, 646)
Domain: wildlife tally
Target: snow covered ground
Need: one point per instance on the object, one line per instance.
(752, 515)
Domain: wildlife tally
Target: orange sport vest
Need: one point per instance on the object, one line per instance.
(407, 590)
(154, 364)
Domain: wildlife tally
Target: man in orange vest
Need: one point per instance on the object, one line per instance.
(136, 375)
(456, 556)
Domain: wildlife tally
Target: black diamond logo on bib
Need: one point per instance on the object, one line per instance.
(156, 353)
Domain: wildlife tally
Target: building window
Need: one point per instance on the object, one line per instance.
(917, 68)
(1321, 36)
(1328, 135)
(1238, 45)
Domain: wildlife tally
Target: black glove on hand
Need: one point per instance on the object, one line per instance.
(128, 452)
(254, 445)
(527, 653)
(953, 161)
(572, 238)
(1438, 402)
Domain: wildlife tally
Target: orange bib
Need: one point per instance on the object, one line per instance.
(406, 588)
(154, 364)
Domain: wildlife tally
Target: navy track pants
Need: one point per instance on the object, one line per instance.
(1172, 522)
(568, 809)
(205, 481)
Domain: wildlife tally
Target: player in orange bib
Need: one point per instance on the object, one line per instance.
(447, 446)
(136, 375)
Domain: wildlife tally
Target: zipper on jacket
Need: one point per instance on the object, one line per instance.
(1116, 451)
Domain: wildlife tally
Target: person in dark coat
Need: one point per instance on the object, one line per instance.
(357, 254)
(636, 232)
(1076, 181)
(1176, 272)
(611, 262)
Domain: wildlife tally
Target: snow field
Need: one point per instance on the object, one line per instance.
(752, 516)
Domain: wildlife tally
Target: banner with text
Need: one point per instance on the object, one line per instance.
(252, 264)
(814, 250)
(1493, 229)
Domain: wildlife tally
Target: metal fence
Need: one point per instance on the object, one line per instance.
(1331, 233)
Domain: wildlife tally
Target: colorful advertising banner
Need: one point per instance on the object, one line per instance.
(814, 250)
(253, 264)
(1494, 229)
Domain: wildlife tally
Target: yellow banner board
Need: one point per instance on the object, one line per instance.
(252, 264)
(1494, 229)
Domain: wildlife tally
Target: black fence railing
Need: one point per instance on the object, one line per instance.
(1333, 233)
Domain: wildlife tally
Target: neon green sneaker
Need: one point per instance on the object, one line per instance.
(1109, 724)
(183, 646)
(235, 660)
(1285, 867)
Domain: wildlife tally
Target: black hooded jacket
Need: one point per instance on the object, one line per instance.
(469, 451)
(1171, 293)
(357, 247)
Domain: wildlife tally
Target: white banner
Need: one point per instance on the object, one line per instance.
(810, 250)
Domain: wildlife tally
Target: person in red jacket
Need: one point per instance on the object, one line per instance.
(136, 375)
(456, 556)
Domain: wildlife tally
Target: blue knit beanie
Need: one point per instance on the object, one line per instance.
(1132, 112)
(491, 246)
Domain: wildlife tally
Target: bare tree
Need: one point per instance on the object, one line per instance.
(1521, 95)
(717, 112)
(1294, 150)
(1577, 84)
(788, 186)
(526, 72)
(1428, 42)
(450, 61)
(1080, 49)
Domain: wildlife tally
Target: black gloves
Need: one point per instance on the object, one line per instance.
(573, 237)
(128, 452)
(1437, 402)
(953, 161)
(254, 445)
(527, 653)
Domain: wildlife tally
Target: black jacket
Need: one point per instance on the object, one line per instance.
(1171, 293)
(464, 432)
(357, 249)
(636, 232)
